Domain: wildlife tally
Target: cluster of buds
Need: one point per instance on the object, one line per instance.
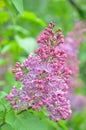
(44, 77)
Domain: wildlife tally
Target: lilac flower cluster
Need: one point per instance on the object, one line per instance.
(44, 77)
(78, 102)
(73, 41)
(71, 46)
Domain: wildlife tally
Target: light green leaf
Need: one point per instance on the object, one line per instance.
(28, 44)
(19, 5)
(6, 127)
(2, 107)
(10, 5)
(2, 83)
(18, 28)
(3, 61)
(33, 17)
(4, 16)
(2, 4)
(2, 95)
(3, 102)
(27, 121)
(5, 48)
(33, 4)
(61, 123)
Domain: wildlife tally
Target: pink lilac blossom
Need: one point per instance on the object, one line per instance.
(44, 77)
(78, 102)
(71, 46)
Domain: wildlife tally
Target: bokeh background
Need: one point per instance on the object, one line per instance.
(18, 31)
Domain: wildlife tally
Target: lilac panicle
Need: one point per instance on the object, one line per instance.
(44, 77)
(78, 102)
(72, 43)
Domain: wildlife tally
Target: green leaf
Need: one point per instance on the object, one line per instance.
(2, 107)
(61, 123)
(2, 4)
(2, 95)
(3, 61)
(33, 17)
(27, 121)
(2, 113)
(5, 48)
(19, 5)
(10, 5)
(4, 16)
(2, 83)
(18, 28)
(28, 44)
(3, 102)
(6, 127)
(79, 120)
(33, 4)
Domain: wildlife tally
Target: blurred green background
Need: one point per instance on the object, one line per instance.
(20, 23)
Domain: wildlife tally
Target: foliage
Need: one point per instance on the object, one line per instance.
(20, 23)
